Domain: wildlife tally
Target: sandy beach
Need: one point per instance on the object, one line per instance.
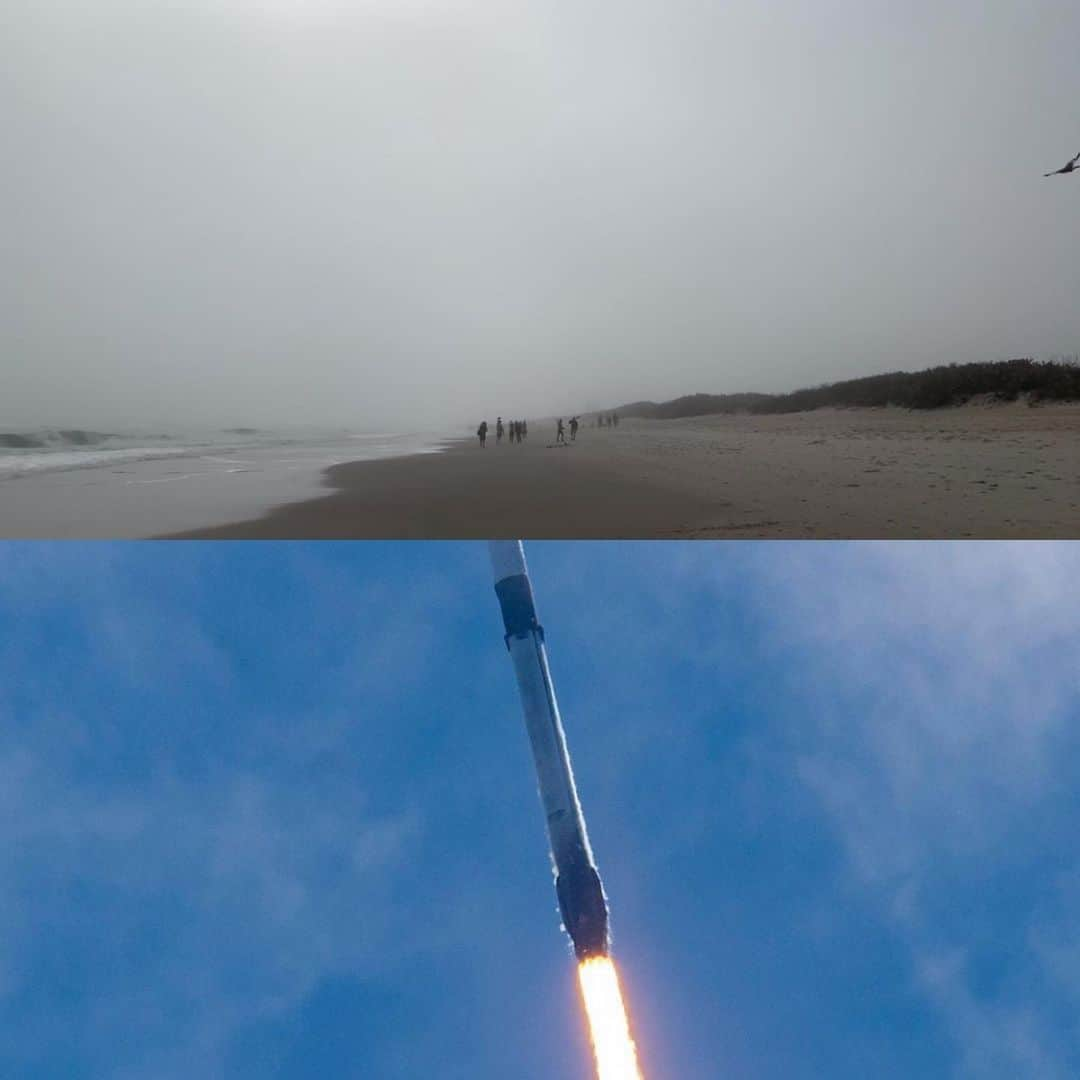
(979, 470)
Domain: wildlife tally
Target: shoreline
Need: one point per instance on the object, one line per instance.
(502, 492)
(993, 471)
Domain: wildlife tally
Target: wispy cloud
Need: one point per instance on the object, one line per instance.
(934, 725)
(177, 892)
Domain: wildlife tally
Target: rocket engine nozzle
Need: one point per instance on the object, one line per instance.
(584, 911)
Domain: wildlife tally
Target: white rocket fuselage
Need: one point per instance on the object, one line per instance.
(580, 893)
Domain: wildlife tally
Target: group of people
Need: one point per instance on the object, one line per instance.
(518, 431)
(560, 431)
(602, 420)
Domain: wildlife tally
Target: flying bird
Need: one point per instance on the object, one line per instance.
(1068, 168)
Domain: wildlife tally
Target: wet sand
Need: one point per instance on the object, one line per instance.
(980, 470)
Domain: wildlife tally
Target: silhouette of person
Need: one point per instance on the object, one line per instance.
(524, 429)
(481, 433)
(498, 430)
(560, 434)
(615, 418)
(573, 428)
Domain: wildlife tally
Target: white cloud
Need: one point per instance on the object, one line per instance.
(934, 700)
(256, 883)
(198, 898)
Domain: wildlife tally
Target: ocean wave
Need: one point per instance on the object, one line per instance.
(52, 437)
(59, 460)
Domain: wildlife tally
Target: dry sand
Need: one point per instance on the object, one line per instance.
(979, 470)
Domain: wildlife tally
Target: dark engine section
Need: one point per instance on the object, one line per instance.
(584, 910)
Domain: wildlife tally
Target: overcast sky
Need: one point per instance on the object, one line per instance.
(408, 212)
(269, 811)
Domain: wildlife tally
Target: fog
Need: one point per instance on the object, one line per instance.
(406, 213)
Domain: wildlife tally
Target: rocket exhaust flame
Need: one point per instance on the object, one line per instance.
(609, 1030)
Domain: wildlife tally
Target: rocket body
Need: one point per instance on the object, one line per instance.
(577, 884)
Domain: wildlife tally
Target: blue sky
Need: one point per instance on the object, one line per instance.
(269, 811)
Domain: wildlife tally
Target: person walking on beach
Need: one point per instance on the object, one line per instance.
(481, 433)
(498, 430)
(615, 419)
(524, 429)
(560, 434)
(573, 428)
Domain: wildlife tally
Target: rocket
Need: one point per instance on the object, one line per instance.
(577, 882)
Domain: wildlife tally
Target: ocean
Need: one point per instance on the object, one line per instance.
(35, 450)
(74, 482)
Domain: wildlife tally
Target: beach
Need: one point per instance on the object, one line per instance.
(977, 470)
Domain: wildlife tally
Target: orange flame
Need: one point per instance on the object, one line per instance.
(616, 1057)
